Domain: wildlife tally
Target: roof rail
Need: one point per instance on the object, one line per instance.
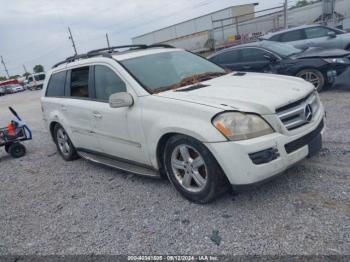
(106, 52)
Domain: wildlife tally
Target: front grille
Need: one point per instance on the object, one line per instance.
(294, 115)
(304, 140)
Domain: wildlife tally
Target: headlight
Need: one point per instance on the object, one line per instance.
(239, 126)
(337, 60)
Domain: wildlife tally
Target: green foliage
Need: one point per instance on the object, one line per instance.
(38, 69)
(26, 74)
(14, 76)
(3, 78)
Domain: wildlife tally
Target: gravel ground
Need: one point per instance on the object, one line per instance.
(49, 206)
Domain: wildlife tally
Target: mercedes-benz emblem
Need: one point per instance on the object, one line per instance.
(308, 114)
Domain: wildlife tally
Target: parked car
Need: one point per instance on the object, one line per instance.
(36, 81)
(161, 111)
(2, 91)
(316, 65)
(312, 36)
(11, 89)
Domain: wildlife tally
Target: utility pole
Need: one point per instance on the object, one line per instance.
(7, 72)
(108, 45)
(285, 10)
(25, 69)
(73, 44)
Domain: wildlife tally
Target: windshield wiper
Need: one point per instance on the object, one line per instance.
(190, 80)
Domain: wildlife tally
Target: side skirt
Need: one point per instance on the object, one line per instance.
(117, 163)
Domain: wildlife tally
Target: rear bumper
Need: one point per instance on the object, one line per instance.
(282, 151)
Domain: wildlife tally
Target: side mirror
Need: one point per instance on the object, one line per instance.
(331, 34)
(121, 99)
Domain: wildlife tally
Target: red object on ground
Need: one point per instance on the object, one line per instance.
(11, 130)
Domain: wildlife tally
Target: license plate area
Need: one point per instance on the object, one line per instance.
(315, 145)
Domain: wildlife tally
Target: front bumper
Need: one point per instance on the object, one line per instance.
(235, 157)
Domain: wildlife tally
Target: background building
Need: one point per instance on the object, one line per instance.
(241, 23)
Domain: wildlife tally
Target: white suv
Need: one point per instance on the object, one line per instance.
(157, 110)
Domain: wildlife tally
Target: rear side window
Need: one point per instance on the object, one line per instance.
(253, 55)
(79, 86)
(229, 57)
(56, 85)
(319, 31)
(292, 36)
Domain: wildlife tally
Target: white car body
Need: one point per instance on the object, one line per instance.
(36, 81)
(17, 88)
(134, 132)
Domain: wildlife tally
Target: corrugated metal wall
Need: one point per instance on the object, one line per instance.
(197, 25)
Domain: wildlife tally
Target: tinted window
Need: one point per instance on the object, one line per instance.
(107, 83)
(39, 77)
(229, 57)
(292, 36)
(79, 86)
(30, 79)
(56, 84)
(314, 32)
(253, 54)
(275, 38)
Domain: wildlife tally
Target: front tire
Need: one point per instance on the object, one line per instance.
(193, 170)
(64, 144)
(313, 76)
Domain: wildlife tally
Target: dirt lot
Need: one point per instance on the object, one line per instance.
(49, 206)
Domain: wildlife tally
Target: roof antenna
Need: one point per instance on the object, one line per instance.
(108, 45)
(71, 38)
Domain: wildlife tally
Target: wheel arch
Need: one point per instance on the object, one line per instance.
(160, 148)
(161, 145)
(52, 128)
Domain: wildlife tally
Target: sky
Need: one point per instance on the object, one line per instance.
(35, 31)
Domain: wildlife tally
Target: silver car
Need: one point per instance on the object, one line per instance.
(312, 36)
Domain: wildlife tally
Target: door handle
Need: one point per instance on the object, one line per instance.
(63, 108)
(246, 67)
(97, 115)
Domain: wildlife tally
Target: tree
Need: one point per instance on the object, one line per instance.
(2, 78)
(38, 69)
(14, 76)
(26, 74)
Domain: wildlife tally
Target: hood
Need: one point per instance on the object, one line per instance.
(319, 52)
(246, 92)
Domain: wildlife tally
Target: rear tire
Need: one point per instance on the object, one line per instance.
(16, 150)
(193, 170)
(313, 76)
(64, 144)
(7, 148)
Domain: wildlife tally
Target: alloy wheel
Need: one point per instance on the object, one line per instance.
(63, 142)
(311, 77)
(189, 168)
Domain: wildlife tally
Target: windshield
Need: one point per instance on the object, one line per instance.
(281, 49)
(39, 77)
(171, 70)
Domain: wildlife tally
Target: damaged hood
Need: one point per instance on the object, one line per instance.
(246, 92)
